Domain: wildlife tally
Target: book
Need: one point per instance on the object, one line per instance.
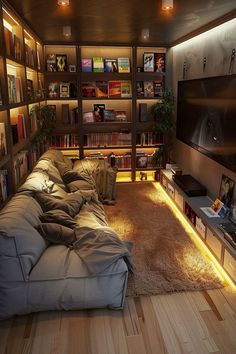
(14, 132)
(143, 112)
(65, 114)
(88, 117)
(11, 80)
(3, 143)
(101, 89)
(109, 115)
(53, 90)
(86, 65)
(19, 92)
(159, 62)
(17, 47)
(123, 65)
(30, 89)
(98, 112)
(114, 89)
(98, 65)
(4, 191)
(148, 89)
(88, 89)
(51, 62)
(139, 89)
(121, 116)
(126, 91)
(61, 62)
(64, 90)
(217, 205)
(148, 62)
(110, 65)
(157, 87)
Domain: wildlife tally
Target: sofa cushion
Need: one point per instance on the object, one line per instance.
(56, 233)
(48, 167)
(59, 217)
(71, 204)
(68, 175)
(80, 185)
(18, 220)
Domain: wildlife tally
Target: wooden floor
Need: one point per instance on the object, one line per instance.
(194, 322)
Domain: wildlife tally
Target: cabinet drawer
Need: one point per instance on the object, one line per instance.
(164, 182)
(230, 265)
(179, 200)
(214, 243)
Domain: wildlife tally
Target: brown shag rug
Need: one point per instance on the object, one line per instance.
(165, 257)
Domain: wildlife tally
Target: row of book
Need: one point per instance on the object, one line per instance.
(107, 89)
(147, 139)
(64, 140)
(149, 89)
(3, 143)
(62, 90)
(99, 65)
(107, 139)
(21, 165)
(13, 44)
(14, 89)
(4, 191)
(68, 116)
(101, 114)
(18, 128)
(118, 161)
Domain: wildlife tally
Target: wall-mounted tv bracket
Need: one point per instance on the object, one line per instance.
(204, 64)
(231, 64)
(184, 70)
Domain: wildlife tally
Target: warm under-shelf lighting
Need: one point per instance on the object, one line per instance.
(167, 4)
(27, 33)
(63, 2)
(10, 16)
(197, 240)
(7, 25)
(11, 66)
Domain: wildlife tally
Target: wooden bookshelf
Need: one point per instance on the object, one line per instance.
(19, 63)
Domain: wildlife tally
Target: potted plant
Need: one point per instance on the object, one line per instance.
(163, 128)
(46, 123)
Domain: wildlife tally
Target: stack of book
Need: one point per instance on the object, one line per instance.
(149, 89)
(145, 139)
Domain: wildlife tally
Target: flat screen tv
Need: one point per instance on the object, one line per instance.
(206, 117)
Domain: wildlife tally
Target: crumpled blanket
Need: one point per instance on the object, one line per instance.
(99, 248)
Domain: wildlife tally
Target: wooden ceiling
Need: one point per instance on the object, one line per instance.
(121, 21)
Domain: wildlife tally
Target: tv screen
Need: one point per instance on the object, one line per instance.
(206, 117)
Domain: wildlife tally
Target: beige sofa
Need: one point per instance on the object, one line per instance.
(35, 276)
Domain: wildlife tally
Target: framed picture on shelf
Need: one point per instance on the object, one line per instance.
(64, 90)
(99, 112)
(61, 60)
(72, 68)
(226, 190)
(148, 62)
(53, 90)
(159, 62)
(51, 62)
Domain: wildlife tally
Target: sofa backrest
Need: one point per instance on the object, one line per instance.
(21, 245)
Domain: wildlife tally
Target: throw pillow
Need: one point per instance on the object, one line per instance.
(58, 216)
(71, 204)
(68, 162)
(56, 234)
(66, 173)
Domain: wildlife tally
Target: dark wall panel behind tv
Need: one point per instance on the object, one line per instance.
(206, 117)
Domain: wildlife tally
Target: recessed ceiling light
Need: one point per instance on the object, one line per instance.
(167, 4)
(145, 33)
(63, 2)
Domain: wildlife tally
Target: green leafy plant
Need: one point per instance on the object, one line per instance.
(157, 156)
(46, 120)
(162, 115)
